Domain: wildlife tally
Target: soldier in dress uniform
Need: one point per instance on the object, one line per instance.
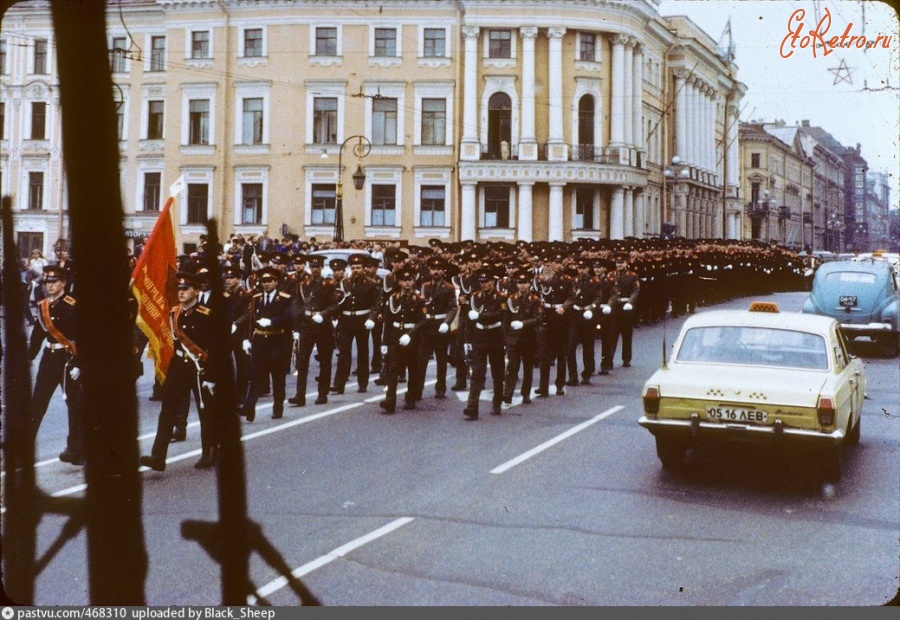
(192, 332)
(268, 341)
(359, 305)
(404, 314)
(602, 268)
(56, 326)
(338, 269)
(583, 324)
(466, 284)
(440, 311)
(370, 267)
(625, 288)
(394, 259)
(317, 306)
(485, 341)
(292, 280)
(523, 315)
(237, 299)
(555, 290)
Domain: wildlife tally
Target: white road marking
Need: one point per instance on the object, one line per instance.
(280, 582)
(547, 444)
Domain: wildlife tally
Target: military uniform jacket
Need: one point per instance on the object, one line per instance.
(403, 314)
(237, 302)
(526, 308)
(586, 294)
(558, 293)
(440, 303)
(467, 284)
(487, 330)
(61, 313)
(278, 311)
(360, 299)
(624, 286)
(319, 295)
(192, 331)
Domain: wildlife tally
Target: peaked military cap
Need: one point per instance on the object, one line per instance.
(55, 273)
(183, 280)
(268, 272)
(315, 260)
(337, 264)
(357, 259)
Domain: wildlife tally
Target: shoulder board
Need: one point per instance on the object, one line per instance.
(203, 310)
(283, 294)
(257, 295)
(175, 308)
(632, 273)
(69, 300)
(226, 294)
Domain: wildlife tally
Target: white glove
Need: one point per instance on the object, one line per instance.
(317, 318)
(264, 322)
(444, 328)
(74, 372)
(296, 335)
(209, 386)
(467, 348)
(384, 349)
(369, 324)
(605, 309)
(404, 340)
(627, 307)
(588, 315)
(233, 328)
(246, 346)
(473, 315)
(516, 325)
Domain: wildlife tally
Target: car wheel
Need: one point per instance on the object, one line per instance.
(832, 462)
(670, 452)
(853, 435)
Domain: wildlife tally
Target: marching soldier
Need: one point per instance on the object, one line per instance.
(192, 332)
(404, 315)
(583, 325)
(59, 366)
(317, 306)
(394, 259)
(237, 299)
(466, 284)
(523, 315)
(268, 342)
(555, 290)
(359, 305)
(440, 311)
(485, 342)
(625, 288)
(370, 267)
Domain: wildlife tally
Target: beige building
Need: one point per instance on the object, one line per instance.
(468, 119)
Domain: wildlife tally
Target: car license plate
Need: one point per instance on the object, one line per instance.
(736, 414)
(847, 301)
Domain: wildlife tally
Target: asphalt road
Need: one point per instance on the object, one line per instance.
(560, 502)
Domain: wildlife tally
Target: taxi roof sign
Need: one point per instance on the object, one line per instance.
(764, 306)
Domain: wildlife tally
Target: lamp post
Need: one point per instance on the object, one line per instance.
(673, 174)
(360, 149)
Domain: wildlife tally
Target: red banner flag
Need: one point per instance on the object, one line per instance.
(154, 287)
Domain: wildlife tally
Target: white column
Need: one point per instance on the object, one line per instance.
(694, 124)
(470, 148)
(555, 91)
(680, 115)
(628, 92)
(616, 215)
(555, 217)
(731, 144)
(637, 103)
(704, 127)
(524, 217)
(710, 130)
(639, 214)
(468, 213)
(527, 136)
(628, 213)
(617, 97)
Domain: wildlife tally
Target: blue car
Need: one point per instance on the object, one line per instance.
(863, 297)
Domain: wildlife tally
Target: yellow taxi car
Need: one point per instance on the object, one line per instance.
(757, 376)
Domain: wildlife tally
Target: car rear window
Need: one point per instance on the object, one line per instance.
(859, 277)
(754, 346)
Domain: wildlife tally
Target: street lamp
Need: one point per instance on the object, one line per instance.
(673, 174)
(360, 149)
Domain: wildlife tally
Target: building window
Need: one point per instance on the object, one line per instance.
(384, 121)
(587, 48)
(38, 120)
(754, 160)
(117, 55)
(40, 56)
(322, 208)
(155, 120)
(253, 43)
(584, 209)
(252, 132)
(157, 53)
(435, 43)
(200, 44)
(197, 203)
(2, 120)
(434, 121)
(499, 44)
(384, 205)
(325, 120)
(386, 42)
(198, 121)
(496, 207)
(431, 208)
(2, 56)
(326, 41)
(152, 190)
(35, 190)
(120, 121)
(251, 203)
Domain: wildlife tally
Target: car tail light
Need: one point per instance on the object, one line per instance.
(651, 400)
(825, 411)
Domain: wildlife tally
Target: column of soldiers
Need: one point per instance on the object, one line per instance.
(473, 307)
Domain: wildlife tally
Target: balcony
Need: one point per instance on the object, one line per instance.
(757, 209)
